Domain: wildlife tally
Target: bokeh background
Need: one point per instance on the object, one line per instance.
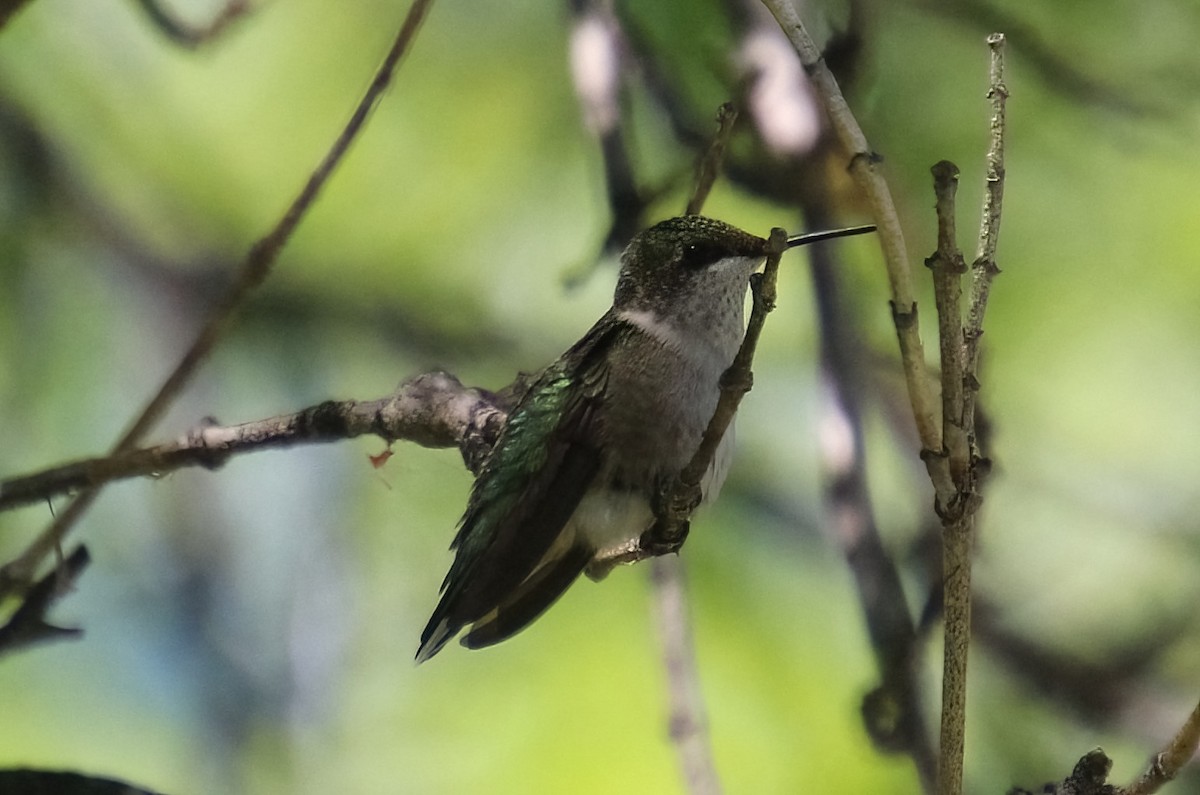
(252, 630)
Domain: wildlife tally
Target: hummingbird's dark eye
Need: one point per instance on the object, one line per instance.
(702, 254)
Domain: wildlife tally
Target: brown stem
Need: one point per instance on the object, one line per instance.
(432, 409)
(864, 168)
(688, 725)
(1167, 764)
(948, 266)
(984, 269)
(710, 164)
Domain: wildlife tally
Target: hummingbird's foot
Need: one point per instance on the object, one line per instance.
(605, 560)
(662, 539)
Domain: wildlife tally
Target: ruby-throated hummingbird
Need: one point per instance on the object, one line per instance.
(569, 484)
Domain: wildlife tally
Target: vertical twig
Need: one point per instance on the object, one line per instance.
(710, 165)
(984, 269)
(253, 271)
(956, 588)
(957, 518)
(948, 266)
(960, 385)
(687, 722)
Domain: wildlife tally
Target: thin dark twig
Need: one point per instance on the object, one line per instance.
(688, 725)
(8, 8)
(28, 625)
(893, 712)
(252, 273)
(710, 165)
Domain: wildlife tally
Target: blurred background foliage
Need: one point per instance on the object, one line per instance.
(252, 630)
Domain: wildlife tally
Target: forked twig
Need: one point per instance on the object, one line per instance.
(948, 448)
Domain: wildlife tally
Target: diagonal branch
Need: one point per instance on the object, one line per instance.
(710, 164)
(1167, 764)
(864, 168)
(255, 268)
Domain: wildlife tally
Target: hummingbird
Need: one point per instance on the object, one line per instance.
(569, 484)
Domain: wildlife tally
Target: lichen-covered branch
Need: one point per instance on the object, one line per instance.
(432, 409)
(948, 266)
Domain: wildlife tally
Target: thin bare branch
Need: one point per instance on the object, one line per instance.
(948, 266)
(688, 724)
(951, 471)
(984, 269)
(254, 270)
(864, 168)
(960, 382)
(432, 409)
(671, 526)
(1167, 764)
(710, 164)
(956, 589)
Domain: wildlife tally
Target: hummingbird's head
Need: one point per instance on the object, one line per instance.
(684, 259)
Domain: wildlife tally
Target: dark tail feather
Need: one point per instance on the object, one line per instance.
(530, 600)
(439, 630)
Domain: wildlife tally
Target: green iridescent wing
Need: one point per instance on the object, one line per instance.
(541, 466)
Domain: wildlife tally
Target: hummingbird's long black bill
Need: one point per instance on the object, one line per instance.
(828, 234)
